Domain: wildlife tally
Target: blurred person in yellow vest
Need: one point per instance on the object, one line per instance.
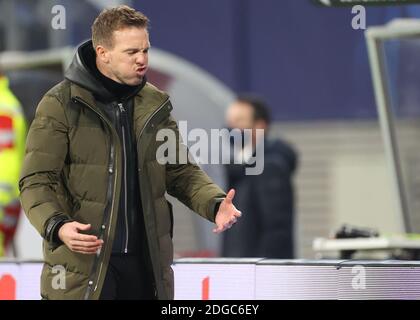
(12, 144)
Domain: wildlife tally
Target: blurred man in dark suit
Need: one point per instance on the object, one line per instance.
(266, 199)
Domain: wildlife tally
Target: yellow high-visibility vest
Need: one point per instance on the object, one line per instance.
(12, 147)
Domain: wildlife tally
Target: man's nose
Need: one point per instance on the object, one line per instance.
(141, 59)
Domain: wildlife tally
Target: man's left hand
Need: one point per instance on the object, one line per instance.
(227, 215)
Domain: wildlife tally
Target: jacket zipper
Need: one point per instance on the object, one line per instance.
(138, 141)
(122, 111)
(78, 99)
(109, 193)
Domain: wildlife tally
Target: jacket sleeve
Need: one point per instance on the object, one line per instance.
(190, 184)
(275, 200)
(45, 154)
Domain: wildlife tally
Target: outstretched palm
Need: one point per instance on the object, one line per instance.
(227, 215)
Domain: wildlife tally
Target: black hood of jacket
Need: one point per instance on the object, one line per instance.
(83, 72)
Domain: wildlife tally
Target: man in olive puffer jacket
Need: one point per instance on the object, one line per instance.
(91, 184)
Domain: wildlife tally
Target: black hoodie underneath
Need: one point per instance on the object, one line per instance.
(116, 100)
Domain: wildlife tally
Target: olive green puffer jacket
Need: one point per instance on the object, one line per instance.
(72, 169)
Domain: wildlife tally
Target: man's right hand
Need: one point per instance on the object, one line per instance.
(78, 242)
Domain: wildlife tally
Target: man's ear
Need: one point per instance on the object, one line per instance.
(102, 54)
(260, 124)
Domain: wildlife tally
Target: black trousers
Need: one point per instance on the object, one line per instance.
(127, 278)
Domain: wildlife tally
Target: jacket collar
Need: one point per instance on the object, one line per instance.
(146, 102)
(4, 83)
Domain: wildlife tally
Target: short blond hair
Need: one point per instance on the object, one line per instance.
(113, 19)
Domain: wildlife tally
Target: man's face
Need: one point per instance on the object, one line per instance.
(127, 61)
(240, 115)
